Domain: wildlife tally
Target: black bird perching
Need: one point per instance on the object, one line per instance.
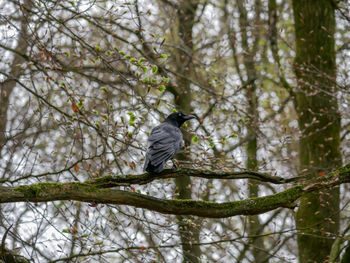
(164, 142)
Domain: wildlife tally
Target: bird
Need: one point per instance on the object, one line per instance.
(164, 142)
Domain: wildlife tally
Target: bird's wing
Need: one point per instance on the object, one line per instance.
(159, 134)
(163, 143)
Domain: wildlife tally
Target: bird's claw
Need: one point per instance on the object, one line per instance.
(175, 166)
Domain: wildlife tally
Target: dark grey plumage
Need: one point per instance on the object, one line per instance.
(164, 142)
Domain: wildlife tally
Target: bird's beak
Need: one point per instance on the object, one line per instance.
(189, 117)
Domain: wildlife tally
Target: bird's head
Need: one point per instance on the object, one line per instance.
(178, 118)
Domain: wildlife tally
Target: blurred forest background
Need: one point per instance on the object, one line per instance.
(83, 83)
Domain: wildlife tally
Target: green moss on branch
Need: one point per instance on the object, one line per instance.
(93, 193)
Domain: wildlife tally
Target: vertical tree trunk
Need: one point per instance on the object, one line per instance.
(254, 225)
(7, 87)
(15, 71)
(189, 232)
(319, 122)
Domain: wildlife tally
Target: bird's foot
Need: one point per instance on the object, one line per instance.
(175, 164)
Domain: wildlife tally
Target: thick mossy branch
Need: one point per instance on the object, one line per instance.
(44, 192)
(91, 192)
(340, 176)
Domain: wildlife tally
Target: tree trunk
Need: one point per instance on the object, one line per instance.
(7, 87)
(319, 123)
(188, 228)
(15, 71)
(254, 224)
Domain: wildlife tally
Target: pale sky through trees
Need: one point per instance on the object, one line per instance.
(84, 82)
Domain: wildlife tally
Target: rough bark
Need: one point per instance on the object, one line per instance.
(319, 122)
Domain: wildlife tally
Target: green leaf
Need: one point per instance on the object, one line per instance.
(161, 88)
(164, 56)
(116, 48)
(175, 110)
(145, 80)
(133, 60)
(144, 69)
(132, 116)
(153, 80)
(104, 88)
(166, 80)
(80, 105)
(98, 48)
(109, 53)
(154, 69)
(195, 139)
(211, 144)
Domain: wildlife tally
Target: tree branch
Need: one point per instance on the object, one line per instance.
(45, 192)
(112, 181)
(93, 193)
